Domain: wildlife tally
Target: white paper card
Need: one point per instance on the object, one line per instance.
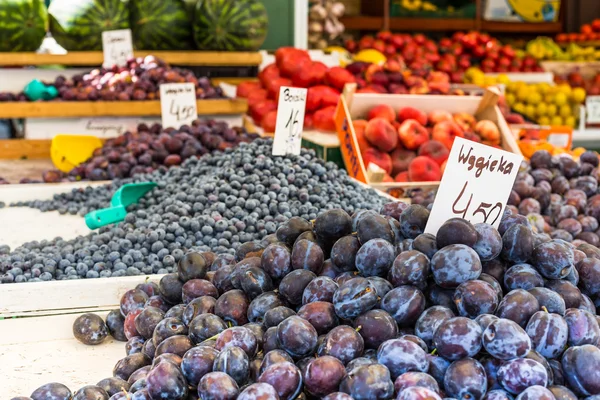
(290, 121)
(476, 184)
(117, 47)
(178, 104)
(592, 106)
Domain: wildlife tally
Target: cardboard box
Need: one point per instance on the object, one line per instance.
(356, 106)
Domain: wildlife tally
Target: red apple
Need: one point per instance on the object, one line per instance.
(412, 134)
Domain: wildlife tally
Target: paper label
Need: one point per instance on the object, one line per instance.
(117, 47)
(348, 143)
(178, 104)
(290, 121)
(476, 185)
(592, 105)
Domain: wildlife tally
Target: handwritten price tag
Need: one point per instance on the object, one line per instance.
(592, 106)
(475, 186)
(117, 47)
(290, 121)
(178, 104)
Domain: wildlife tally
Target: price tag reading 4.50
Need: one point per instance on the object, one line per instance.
(592, 107)
(290, 121)
(178, 104)
(476, 184)
(117, 47)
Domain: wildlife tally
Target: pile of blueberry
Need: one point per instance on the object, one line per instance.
(366, 307)
(214, 203)
(560, 196)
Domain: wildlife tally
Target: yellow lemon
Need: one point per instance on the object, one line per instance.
(543, 88)
(565, 88)
(565, 111)
(519, 107)
(523, 94)
(578, 95)
(552, 110)
(544, 120)
(489, 81)
(541, 109)
(570, 121)
(478, 80)
(530, 110)
(534, 98)
(503, 78)
(510, 99)
(472, 72)
(370, 56)
(556, 121)
(560, 98)
(513, 86)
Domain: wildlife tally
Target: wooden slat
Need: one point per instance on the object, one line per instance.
(188, 58)
(521, 27)
(408, 24)
(61, 297)
(14, 149)
(74, 109)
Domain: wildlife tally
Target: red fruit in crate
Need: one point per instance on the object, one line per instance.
(424, 169)
(401, 159)
(244, 89)
(397, 41)
(351, 45)
(318, 70)
(308, 121)
(257, 96)
(379, 45)
(329, 96)
(504, 63)
(384, 35)
(359, 129)
(302, 78)
(368, 89)
(457, 77)
(357, 68)
(338, 77)
(484, 38)
(259, 110)
(445, 132)
(412, 113)
(596, 25)
(463, 63)
(275, 85)
(381, 134)
(323, 119)
(529, 61)
(420, 39)
(398, 89)
(269, 73)
(371, 70)
(380, 78)
(412, 134)
(488, 64)
(439, 87)
(283, 52)
(465, 121)
(389, 50)
(586, 29)
(269, 121)
(382, 111)
(488, 131)
(366, 42)
(401, 177)
(515, 119)
(393, 66)
(507, 51)
(313, 99)
(387, 179)
(434, 150)
(439, 116)
(292, 63)
(379, 158)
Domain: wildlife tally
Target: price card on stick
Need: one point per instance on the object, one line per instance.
(178, 104)
(290, 121)
(117, 47)
(592, 106)
(476, 184)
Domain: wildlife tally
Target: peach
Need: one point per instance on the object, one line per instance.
(359, 128)
(338, 77)
(269, 121)
(424, 169)
(412, 134)
(379, 158)
(434, 150)
(439, 116)
(381, 134)
(323, 119)
(412, 113)
(401, 158)
(244, 89)
(401, 177)
(382, 111)
(465, 121)
(488, 131)
(445, 132)
(387, 178)
(472, 137)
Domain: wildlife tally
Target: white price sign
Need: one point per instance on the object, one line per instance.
(290, 121)
(592, 107)
(117, 47)
(178, 104)
(476, 184)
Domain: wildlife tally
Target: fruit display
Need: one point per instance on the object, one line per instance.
(587, 33)
(77, 25)
(393, 77)
(150, 148)
(161, 25)
(576, 79)
(533, 139)
(450, 55)
(138, 80)
(413, 146)
(294, 67)
(362, 306)
(546, 104)
(544, 48)
(23, 25)
(324, 26)
(213, 203)
(230, 25)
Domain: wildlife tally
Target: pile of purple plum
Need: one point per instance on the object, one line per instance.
(362, 307)
(138, 80)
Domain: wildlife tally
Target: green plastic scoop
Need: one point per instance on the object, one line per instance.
(127, 194)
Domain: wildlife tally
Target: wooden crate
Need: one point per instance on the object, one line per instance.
(37, 344)
(74, 109)
(86, 58)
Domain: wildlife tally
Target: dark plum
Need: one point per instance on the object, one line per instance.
(261, 304)
(147, 320)
(232, 307)
(441, 297)
(320, 314)
(465, 380)
(375, 258)
(368, 382)
(418, 393)
(536, 393)
(517, 375)
(518, 306)
(454, 265)
(297, 336)
(90, 329)
(200, 305)
(405, 304)
(307, 255)
(401, 355)
(589, 275)
(552, 301)
(273, 357)
(285, 377)
(344, 343)
(413, 221)
(495, 268)
(217, 386)
(177, 344)
(429, 321)
(382, 287)
(293, 284)
(276, 315)
(522, 276)
(581, 365)
(426, 243)
(196, 288)
(415, 379)
(456, 231)
(134, 345)
(170, 288)
(237, 336)
(354, 297)
(562, 393)
(343, 253)
(497, 394)
(259, 391)
(457, 338)
(332, 225)
(491, 365)
(115, 324)
(323, 375)
(51, 391)
(321, 288)
(553, 260)
(476, 297)
(128, 365)
(569, 292)
(489, 242)
(276, 260)
(410, 268)
(517, 244)
(549, 333)
(583, 327)
(168, 327)
(235, 363)
(133, 299)
(193, 265)
(289, 232)
(113, 385)
(375, 327)
(506, 340)
(374, 227)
